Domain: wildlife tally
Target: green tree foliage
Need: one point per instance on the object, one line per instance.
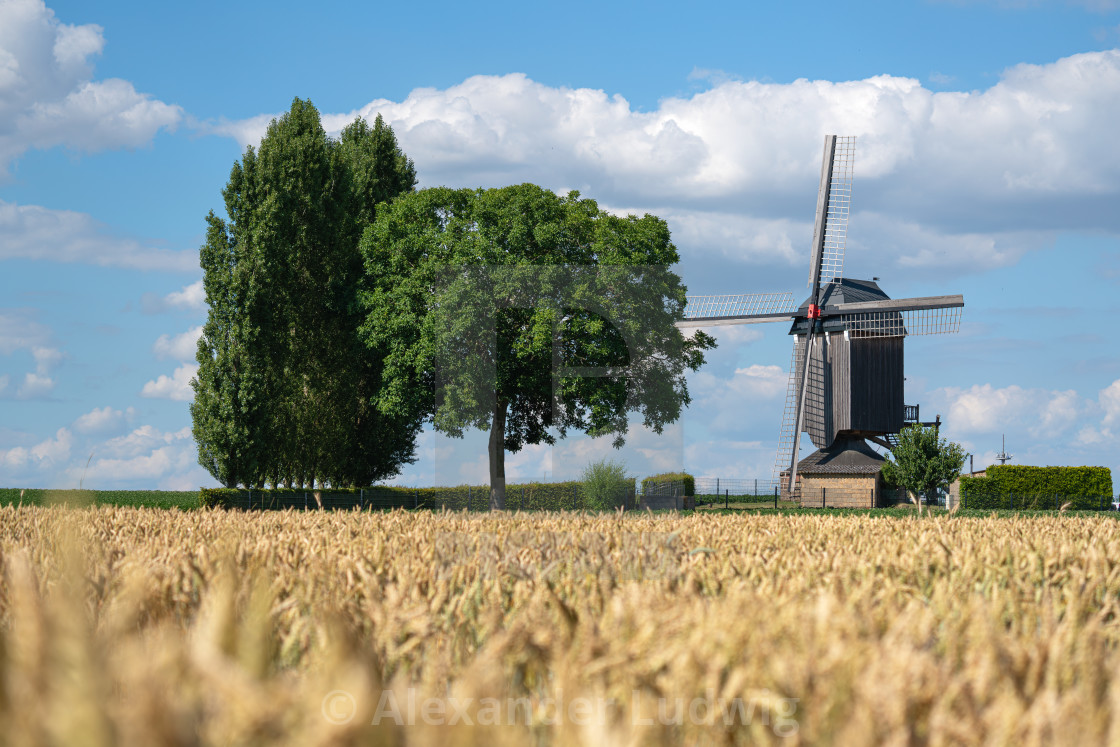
(527, 314)
(285, 388)
(605, 485)
(922, 461)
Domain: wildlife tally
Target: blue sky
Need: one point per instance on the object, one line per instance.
(986, 164)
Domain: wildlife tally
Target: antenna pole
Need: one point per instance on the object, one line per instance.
(1003, 456)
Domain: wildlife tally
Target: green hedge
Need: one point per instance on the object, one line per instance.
(1022, 487)
(283, 498)
(547, 496)
(686, 479)
(184, 499)
(553, 496)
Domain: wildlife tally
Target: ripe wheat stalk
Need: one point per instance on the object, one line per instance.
(147, 627)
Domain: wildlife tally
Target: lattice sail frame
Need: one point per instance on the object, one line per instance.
(786, 436)
(837, 210)
(905, 322)
(743, 304)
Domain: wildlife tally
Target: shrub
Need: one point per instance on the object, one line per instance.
(605, 485)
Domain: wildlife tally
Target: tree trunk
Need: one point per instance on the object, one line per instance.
(498, 457)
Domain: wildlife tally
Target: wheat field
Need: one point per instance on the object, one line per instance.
(149, 627)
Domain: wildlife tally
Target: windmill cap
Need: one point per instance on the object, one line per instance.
(843, 290)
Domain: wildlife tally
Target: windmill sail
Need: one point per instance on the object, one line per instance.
(934, 315)
(744, 308)
(788, 433)
(830, 231)
(834, 199)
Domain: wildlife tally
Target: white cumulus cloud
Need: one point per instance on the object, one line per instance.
(102, 420)
(48, 96)
(146, 456)
(46, 358)
(732, 405)
(48, 454)
(1109, 399)
(54, 450)
(176, 387)
(984, 409)
(939, 176)
(34, 232)
(19, 330)
(35, 386)
(757, 382)
(181, 347)
(735, 333)
(140, 441)
(190, 298)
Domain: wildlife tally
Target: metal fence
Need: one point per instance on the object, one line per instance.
(560, 497)
(668, 495)
(710, 486)
(657, 496)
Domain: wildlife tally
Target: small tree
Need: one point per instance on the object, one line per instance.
(922, 461)
(605, 485)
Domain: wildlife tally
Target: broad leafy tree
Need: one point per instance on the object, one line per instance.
(922, 461)
(526, 314)
(285, 389)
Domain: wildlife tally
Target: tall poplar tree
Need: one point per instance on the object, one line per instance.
(219, 422)
(284, 389)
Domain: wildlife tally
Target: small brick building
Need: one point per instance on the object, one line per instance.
(845, 475)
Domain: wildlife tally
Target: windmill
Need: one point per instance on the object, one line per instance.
(846, 370)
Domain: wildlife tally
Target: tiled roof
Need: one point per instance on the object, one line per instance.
(847, 290)
(844, 457)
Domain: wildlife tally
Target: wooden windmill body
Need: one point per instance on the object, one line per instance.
(850, 332)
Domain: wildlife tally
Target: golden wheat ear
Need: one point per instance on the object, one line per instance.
(1066, 505)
